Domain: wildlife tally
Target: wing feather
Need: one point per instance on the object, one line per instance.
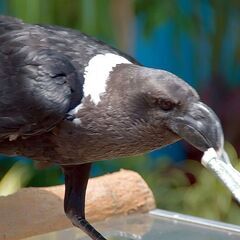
(37, 88)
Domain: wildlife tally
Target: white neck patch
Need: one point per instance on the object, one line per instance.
(97, 73)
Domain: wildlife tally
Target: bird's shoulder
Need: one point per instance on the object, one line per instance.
(37, 89)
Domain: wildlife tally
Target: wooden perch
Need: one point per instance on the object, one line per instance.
(34, 211)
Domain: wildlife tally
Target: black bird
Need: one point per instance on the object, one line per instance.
(69, 99)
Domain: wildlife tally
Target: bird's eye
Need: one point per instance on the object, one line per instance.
(166, 105)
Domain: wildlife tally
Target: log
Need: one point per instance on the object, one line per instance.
(35, 211)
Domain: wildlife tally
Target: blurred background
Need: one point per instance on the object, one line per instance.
(197, 40)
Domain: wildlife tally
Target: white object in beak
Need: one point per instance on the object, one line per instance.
(220, 165)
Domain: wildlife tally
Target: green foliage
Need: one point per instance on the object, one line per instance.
(48, 176)
(204, 21)
(16, 174)
(89, 16)
(207, 197)
(156, 13)
(16, 178)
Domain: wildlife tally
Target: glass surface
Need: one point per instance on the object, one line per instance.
(157, 224)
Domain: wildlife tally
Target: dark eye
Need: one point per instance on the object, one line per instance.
(166, 105)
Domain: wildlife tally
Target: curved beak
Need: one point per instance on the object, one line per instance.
(199, 126)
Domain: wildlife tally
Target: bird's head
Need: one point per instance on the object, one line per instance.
(169, 104)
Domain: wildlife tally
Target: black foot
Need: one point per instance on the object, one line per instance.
(83, 224)
(76, 179)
